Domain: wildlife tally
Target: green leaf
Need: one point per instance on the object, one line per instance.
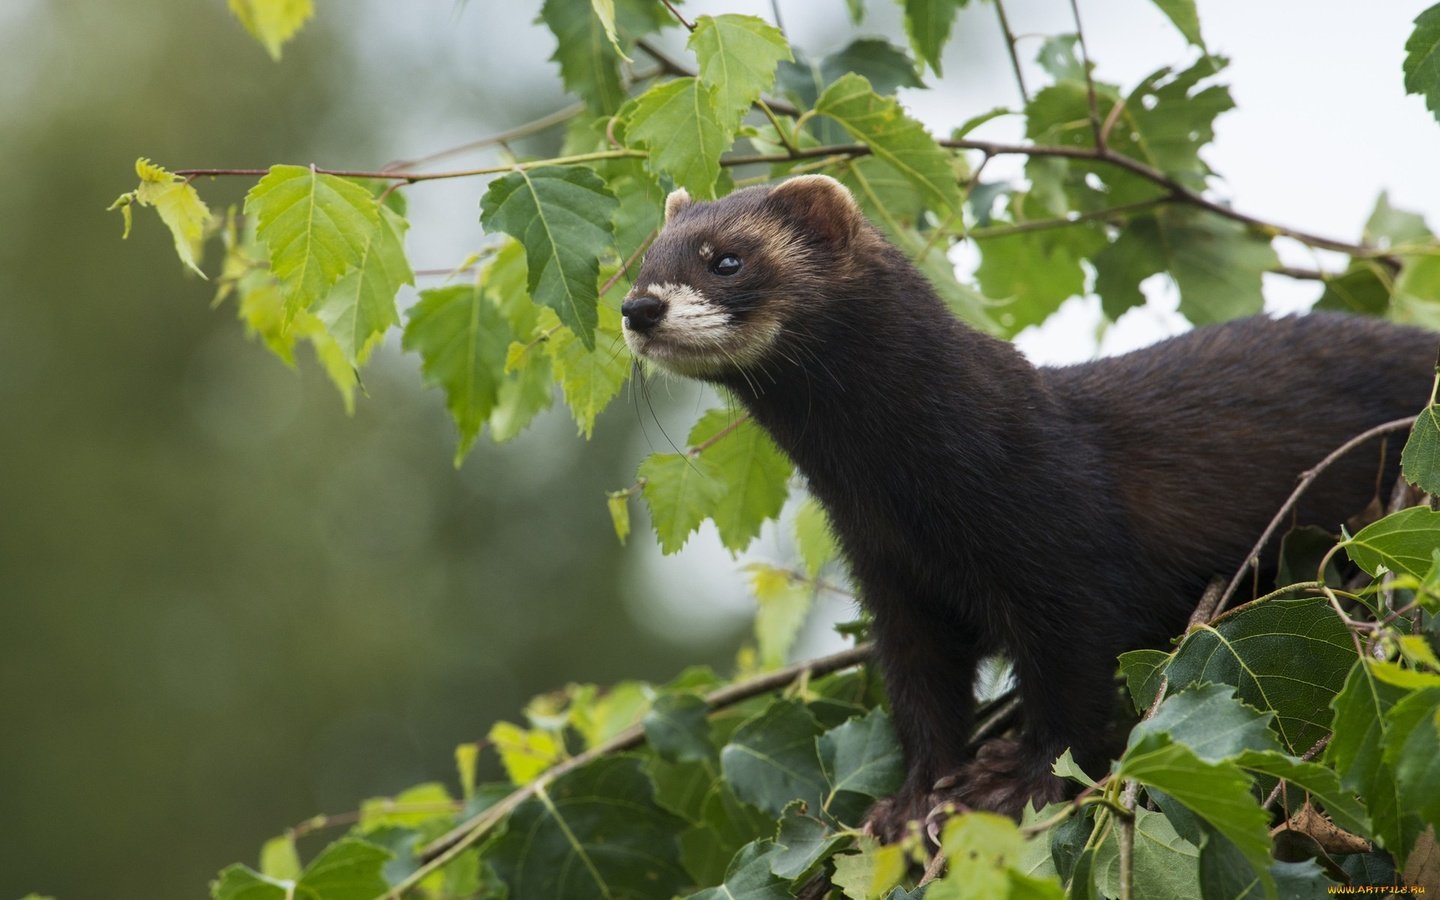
(886, 66)
(279, 858)
(863, 756)
(677, 729)
(411, 808)
(677, 122)
(1287, 656)
(1142, 670)
(562, 215)
(594, 832)
(1165, 864)
(880, 123)
(461, 339)
(679, 495)
(804, 842)
(871, 873)
(618, 503)
(272, 22)
(1389, 227)
(1211, 722)
(985, 852)
(1402, 542)
(178, 204)
(1422, 59)
(589, 62)
(1182, 13)
(1216, 263)
(928, 24)
(1356, 751)
(1362, 288)
(737, 56)
(525, 752)
(1034, 272)
(360, 307)
(1219, 793)
(239, 882)
(771, 760)
(1420, 461)
(590, 377)
(750, 472)
(748, 877)
(1321, 783)
(813, 537)
(317, 227)
(1410, 744)
(784, 605)
(605, 12)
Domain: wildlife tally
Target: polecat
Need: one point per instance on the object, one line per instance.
(1058, 515)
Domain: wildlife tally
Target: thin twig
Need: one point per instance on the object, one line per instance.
(689, 26)
(413, 177)
(1078, 219)
(526, 129)
(1014, 53)
(1100, 132)
(1306, 480)
(442, 850)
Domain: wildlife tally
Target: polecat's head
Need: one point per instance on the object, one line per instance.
(724, 280)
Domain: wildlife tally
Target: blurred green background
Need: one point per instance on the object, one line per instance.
(226, 606)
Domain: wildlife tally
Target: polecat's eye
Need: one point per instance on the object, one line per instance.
(726, 264)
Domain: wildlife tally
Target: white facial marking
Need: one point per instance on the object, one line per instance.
(706, 251)
(696, 336)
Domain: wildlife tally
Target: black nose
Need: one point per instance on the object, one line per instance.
(642, 313)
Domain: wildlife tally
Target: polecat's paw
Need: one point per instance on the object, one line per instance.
(889, 819)
(1004, 778)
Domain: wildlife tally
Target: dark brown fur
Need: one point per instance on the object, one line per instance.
(1058, 515)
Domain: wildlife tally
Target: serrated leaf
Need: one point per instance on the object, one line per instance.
(348, 869)
(1422, 59)
(525, 752)
(813, 537)
(1219, 793)
(863, 756)
(589, 62)
(304, 325)
(272, 22)
(880, 123)
(1409, 749)
(804, 842)
(750, 472)
(928, 24)
(360, 307)
(985, 852)
(771, 760)
(239, 882)
(1211, 722)
(1321, 783)
(748, 877)
(594, 832)
(678, 123)
(1403, 542)
(1217, 264)
(679, 495)
(317, 227)
(1390, 227)
(1356, 750)
(461, 339)
(411, 808)
(1286, 656)
(1142, 670)
(605, 11)
(1182, 13)
(1420, 461)
(1032, 273)
(737, 55)
(871, 873)
(784, 606)
(1165, 864)
(178, 205)
(590, 378)
(562, 215)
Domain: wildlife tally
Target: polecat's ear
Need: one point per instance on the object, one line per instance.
(676, 201)
(822, 204)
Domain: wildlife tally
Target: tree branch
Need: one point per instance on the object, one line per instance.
(1095, 126)
(1306, 480)
(442, 850)
(1014, 54)
(414, 177)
